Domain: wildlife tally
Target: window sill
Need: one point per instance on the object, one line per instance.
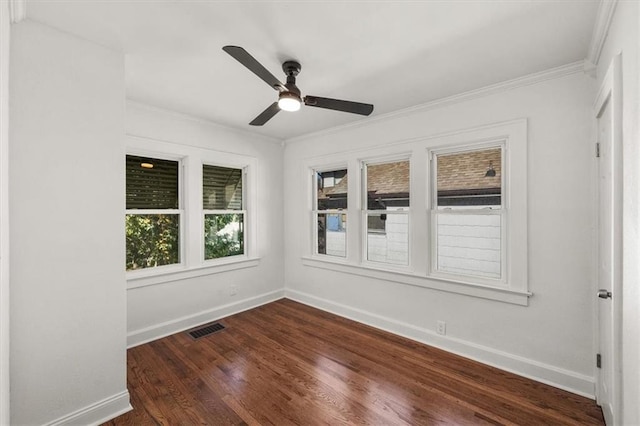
(410, 278)
(138, 279)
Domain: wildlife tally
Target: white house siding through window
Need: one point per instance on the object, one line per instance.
(468, 231)
(468, 220)
(387, 202)
(387, 205)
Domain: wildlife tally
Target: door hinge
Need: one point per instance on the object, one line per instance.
(597, 149)
(598, 360)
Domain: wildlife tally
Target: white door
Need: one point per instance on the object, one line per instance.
(609, 247)
(605, 265)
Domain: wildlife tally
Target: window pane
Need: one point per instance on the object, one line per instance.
(332, 234)
(332, 189)
(152, 240)
(221, 188)
(376, 223)
(470, 179)
(388, 238)
(388, 185)
(151, 183)
(469, 244)
(223, 235)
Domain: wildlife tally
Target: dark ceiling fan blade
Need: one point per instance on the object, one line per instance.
(266, 115)
(254, 66)
(339, 105)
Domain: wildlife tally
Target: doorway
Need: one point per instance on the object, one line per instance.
(608, 113)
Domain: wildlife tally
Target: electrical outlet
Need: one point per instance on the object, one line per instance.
(233, 290)
(442, 328)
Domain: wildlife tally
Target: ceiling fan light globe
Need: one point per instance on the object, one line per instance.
(289, 102)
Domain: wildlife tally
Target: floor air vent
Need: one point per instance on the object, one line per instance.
(206, 330)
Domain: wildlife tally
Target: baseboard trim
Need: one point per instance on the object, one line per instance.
(98, 413)
(148, 334)
(531, 369)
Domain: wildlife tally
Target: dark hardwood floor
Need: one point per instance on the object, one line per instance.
(289, 364)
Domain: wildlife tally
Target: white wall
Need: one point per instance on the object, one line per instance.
(165, 308)
(624, 37)
(68, 297)
(4, 210)
(551, 339)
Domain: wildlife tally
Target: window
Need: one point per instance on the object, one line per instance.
(153, 215)
(386, 208)
(468, 215)
(224, 214)
(446, 212)
(190, 212)
(330, 204)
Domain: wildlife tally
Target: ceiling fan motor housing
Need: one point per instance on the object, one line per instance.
(289, 97)
(291, 69)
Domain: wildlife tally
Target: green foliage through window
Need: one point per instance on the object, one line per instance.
(152, 237)
(152, 240)
(223, 235)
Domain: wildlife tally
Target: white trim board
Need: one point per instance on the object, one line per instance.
(158, 331)
(601, 29)
(197, 119)
(17, 10)
(98, 413)
(515, 297)
(5, 368)
(531, 369)
(134, 281)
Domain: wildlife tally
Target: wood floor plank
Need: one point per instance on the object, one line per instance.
(352, 376)
(374, 361)
(515, 392)
(289, 364)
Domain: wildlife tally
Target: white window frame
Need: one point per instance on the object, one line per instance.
(513, 285)
(243, 212)
(315, 212)
(179, 211)
(513, 290)
(192, 218)
(365, 212)
(502, 211)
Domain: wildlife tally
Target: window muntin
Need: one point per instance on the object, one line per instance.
(330, 204)
(512, 286)
(385, 208)
(223, 211)
(468, 218)
(153, 215)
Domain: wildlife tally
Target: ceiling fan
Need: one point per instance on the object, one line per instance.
(289, 98)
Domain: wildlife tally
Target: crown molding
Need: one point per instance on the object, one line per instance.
(601, 29)
(17, 10)
(198, 119)
(527, 80)
(590, 68)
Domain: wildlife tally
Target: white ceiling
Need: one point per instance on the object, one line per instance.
(393, 54)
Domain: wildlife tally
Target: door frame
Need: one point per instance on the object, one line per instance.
(610, 92)
(5, 31)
